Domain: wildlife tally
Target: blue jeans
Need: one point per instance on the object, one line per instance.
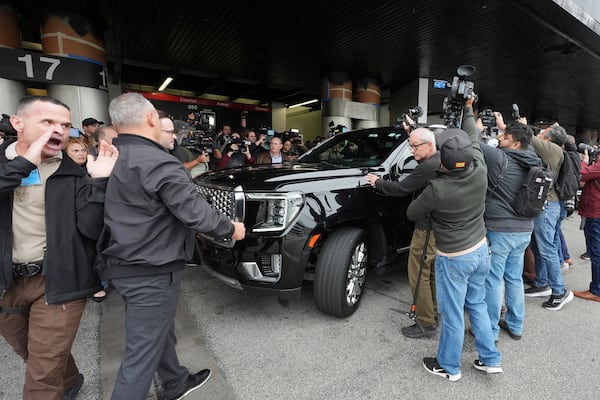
(460, 285)
(506, 278)
(591, 230)
(546, 229)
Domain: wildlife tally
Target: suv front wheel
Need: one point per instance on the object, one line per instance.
(341, 272)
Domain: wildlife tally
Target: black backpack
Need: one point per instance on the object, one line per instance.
(531, 199)
(569, 176)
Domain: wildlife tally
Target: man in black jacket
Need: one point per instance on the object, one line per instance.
(50, 218)
(422, 145)
(151, 209)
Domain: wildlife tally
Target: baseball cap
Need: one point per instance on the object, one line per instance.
(91, 121)
(456, 149)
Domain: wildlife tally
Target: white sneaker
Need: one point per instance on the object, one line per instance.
(487, 368)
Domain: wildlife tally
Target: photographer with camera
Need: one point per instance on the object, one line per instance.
(191, 152)
(236, 153)
(455, 202)
(589, 210)
(546, 229)
(508, 232)
(422, 146)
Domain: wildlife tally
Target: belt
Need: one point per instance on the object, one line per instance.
(27, 269)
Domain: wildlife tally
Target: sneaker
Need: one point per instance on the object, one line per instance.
(71, 393)
(433, 367)
(417, 331)
(556, 302)
(537, 291)
(194, 382)
(584, 256)
(502, 325)
(488, 369)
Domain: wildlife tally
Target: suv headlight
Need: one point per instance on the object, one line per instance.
(273, 212)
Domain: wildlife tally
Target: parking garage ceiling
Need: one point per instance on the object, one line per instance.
(532, 53)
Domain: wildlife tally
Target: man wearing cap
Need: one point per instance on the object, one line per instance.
(455, 203)
(422, 145)
(89, 129)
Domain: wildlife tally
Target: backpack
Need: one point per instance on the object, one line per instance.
(531, 198)
(569, 176)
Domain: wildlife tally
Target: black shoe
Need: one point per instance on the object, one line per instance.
(416, 331)
(433, 367)
(556, 302)
(502, 325)
(537, 291)
(71, 393)
(194, 382)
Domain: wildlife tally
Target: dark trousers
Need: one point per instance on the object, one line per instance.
(42, 335)
(150, 308)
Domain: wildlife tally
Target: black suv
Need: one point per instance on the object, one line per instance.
(315, 219)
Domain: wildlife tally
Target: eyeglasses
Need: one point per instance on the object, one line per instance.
(171, 132)
(415, 146)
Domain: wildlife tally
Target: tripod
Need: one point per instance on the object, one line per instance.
(412, 314)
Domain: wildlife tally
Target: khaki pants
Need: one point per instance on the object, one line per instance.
(42, 335)
(426, 307)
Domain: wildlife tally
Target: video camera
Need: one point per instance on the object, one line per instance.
(413, 113)
(242, 144)
(460, 90)
(335, 129)
(198, 141)
(591, 150)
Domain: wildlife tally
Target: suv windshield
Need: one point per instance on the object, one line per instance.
(359, 148)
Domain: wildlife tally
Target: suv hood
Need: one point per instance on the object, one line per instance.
(276, 177)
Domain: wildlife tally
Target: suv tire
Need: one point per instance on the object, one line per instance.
(341, 272)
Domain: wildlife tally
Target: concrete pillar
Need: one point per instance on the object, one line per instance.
(337, 93)
(10, 37)
(368, 92)
(74, 37)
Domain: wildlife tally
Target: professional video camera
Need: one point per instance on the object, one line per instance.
(460, 90)
(198, 141)
(204, 120)
(335, 129)
(242, 144)
(413, 113)
(591, 150)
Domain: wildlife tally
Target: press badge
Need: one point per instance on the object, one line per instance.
(32, 179)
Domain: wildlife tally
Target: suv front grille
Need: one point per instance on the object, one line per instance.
(227, 201)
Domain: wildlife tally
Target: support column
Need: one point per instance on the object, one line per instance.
(337, 93)
(368, 92)
(74, 37)
(10, 37)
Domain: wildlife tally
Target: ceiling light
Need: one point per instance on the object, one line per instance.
(304, 103)
(164, 85)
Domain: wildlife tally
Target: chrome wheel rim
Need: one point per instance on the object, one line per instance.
(357, 273)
